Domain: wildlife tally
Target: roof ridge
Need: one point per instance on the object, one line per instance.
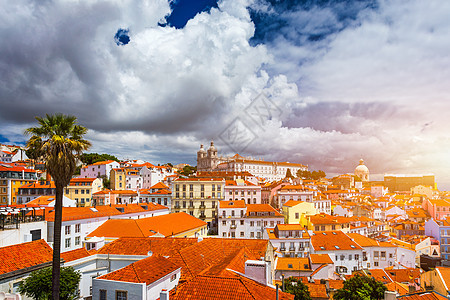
(139, 227)
(135, 272)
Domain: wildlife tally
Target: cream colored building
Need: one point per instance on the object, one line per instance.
(198, 197)
(362, 171)
(208, 160)
(294, 210)
(81, 190)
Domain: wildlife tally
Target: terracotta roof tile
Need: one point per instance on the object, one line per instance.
(20, 256)
(423, 296)
(332, 240)
(217, 288)
(167, 225)
(75, 254)
(232, 204)
(146, 270)
(320, 259)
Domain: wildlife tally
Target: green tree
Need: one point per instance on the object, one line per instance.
(289, 174)
(296, 287)
(92, 158)
(188, 170)
(361, 288)
(59, 141)
(39, 284)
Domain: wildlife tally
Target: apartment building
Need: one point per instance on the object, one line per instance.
(198, 197)
(11, 179)
(240, 220)
(82, 189)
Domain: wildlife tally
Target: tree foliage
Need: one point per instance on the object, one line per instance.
(39, 284)
(297, 288)
(289, 173)
(188, 170)
(92, 158)
(58, 141)
(361, 288)
(314, 175)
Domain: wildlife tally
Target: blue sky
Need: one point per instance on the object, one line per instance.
(341, 79)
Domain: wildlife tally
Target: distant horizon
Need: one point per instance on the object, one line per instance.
(320, 83)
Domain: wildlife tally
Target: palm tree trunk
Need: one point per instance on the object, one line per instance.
(57, 242)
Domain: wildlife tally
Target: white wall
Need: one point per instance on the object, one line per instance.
(23, 234)
(135, 291)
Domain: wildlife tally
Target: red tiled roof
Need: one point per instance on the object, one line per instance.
(262, 208)
(232, 204)
(292, 203)
(167, 225)
(217, 288)
(20, 256)
(147, 270)
(159, 185)
(317, 290)
(75, 254)
(328, 240)
(423, 296)
(320, 259)
(141, 246)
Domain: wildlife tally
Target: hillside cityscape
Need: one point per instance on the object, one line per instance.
(229, 225)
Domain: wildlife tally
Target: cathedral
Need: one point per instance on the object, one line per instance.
(362, 171)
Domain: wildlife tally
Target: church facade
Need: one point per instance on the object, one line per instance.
(208, 160)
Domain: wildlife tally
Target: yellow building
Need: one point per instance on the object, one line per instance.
(81, 190)
(324, 222)
(117, 179)
(294, 210)
(438, 280)
(11, 179)
(198, 197)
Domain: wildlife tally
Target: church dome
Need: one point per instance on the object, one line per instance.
(212, 148)
(362, 171)
(202, 149)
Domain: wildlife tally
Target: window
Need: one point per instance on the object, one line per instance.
(77, 240)
(233, 234)
(242, 234)
(242, 222)
(67, 229)
(376, 254)
(375, 263)
(252, 234)
(297, 215)
(67, 243)
(76, 191)
(77, 228)
(224, 234)
(103, 295)
(252, 223)
(356, 256)
(121, 295)
(383, 254)
(224, 222)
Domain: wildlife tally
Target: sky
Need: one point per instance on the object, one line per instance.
(323, 83)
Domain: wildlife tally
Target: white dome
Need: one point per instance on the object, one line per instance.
(362, 171)
(201, 149)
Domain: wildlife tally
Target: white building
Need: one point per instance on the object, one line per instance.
(240, 220)
(78, 222)
(144, 279)
(289, 240)
(210, 161)
(376, 255)
(99, 169)
(346, 254)
(240, 189)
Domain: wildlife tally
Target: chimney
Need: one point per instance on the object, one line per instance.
(164, 295)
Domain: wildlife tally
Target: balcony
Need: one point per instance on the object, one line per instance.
(233, 226)
(202, 206)
(202, 217)
(177, 206)
(282, 248)
(292, 249)
(191, 207)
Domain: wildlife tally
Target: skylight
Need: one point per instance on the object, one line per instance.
(93, 209)
(352, 246)
(337, 247)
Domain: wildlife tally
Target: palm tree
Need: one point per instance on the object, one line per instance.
(58, 140)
